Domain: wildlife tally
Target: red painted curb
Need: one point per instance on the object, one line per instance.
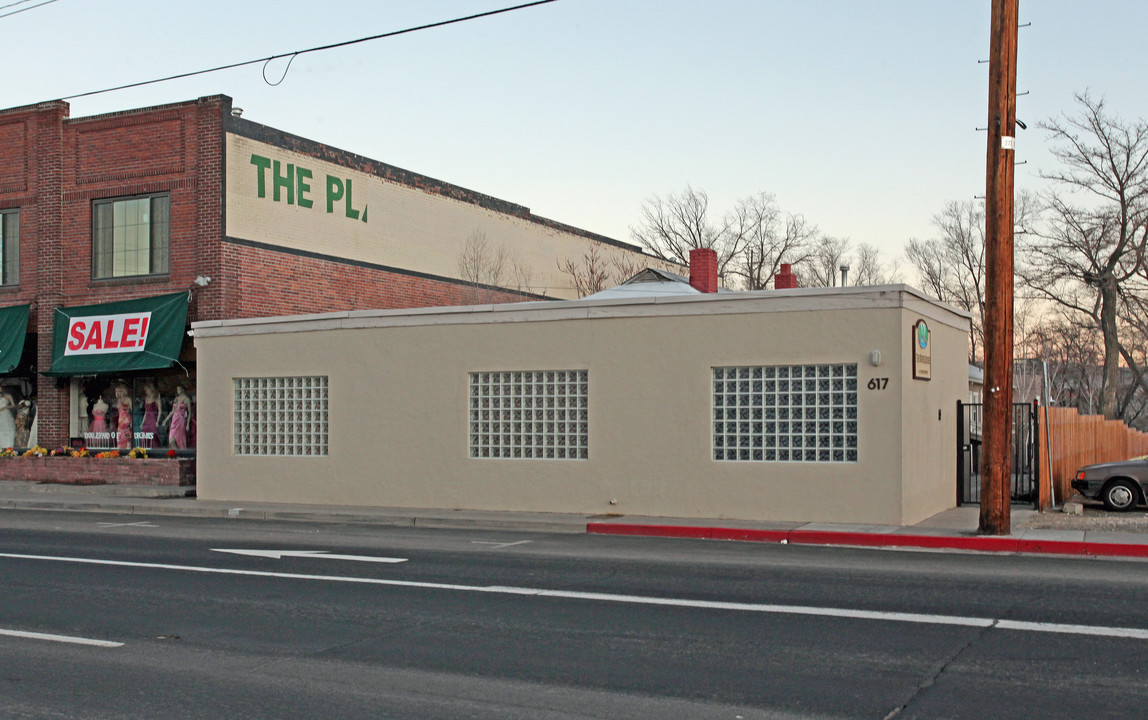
(978, 543)
(829, 537)
(744, 535)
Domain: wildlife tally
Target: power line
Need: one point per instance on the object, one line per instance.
(14, 4)
(21, 2)
(292, 55)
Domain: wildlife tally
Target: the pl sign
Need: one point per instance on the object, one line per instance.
(105, 334)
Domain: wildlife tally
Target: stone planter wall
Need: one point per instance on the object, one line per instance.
(99, 471)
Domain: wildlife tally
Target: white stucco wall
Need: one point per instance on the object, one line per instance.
(399, 406)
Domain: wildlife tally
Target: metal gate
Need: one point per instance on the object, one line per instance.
(1024, 476)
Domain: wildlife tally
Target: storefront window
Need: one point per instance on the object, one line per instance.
(156, 412)
(17, 413)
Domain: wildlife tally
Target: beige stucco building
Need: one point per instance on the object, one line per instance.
(795, 405)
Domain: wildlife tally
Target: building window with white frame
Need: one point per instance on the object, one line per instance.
(131, 236)
(786, 413)
(540, 415)
(280, 416)
(9, 247)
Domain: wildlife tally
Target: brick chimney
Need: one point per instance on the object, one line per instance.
(785, 279)
(703, 269)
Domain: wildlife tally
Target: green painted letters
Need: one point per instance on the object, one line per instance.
(353, 214)
(262, 164)
(302, 188)
(291, 183)
(334, 192)
(286, 182)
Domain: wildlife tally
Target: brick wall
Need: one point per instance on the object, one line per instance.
(99, 471)
(279, 283)
(52, 167)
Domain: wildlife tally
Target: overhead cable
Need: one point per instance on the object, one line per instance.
(21, 2)
(292, 55)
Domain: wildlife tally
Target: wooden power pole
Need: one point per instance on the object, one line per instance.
(996, 479)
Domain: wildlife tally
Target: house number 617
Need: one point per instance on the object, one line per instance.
(878, 383)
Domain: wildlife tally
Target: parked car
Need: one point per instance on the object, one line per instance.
(1120, 486)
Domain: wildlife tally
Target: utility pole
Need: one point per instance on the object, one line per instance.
(996, 480)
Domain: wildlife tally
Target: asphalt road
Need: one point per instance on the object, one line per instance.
(158, 623)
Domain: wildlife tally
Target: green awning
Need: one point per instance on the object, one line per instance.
(143, 334)
(13, 329)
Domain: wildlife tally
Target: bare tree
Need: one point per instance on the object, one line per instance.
(952, 265)
(481, 265)
(821, 267)
(490, 270)
(1094, 236)
(674, 225)
(752, 240)
(597, 270)
(767, 238)
(867, 267)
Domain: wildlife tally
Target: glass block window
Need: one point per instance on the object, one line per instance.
(281, 416)
(786, 413)
(529, 414)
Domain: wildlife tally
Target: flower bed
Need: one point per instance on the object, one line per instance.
(80, 468)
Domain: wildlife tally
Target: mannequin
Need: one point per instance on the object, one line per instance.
(150, 424)
(178, 418)
(123, 418)
(23, 422)
(7, 422)
(99, 424)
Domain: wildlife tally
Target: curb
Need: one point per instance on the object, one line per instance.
(975, 543)
(215, 511)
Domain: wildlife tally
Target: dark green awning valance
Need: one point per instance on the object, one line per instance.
(13, 329)
(142, 334)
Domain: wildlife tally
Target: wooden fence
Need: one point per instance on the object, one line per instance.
(1080, 440)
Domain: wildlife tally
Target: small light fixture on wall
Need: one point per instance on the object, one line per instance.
(203, 281)
(875, 358)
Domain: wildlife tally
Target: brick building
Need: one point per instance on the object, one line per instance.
(119, 230)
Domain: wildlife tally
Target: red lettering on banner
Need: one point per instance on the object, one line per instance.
(76, 336)
(94, 339)
(109, 336)
(112, 333)
(130, 331)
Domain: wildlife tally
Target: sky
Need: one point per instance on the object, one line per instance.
(861, 116)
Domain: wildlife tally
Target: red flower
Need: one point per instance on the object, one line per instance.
(171, 453)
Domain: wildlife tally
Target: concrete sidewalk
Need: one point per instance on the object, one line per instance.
(953, 529)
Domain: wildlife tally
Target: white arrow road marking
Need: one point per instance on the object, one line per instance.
(500, 545)
(321, 554)
(845, 613)
(60, 638)
(142, 523)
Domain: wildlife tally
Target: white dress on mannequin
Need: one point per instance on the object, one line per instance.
(7, 421)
